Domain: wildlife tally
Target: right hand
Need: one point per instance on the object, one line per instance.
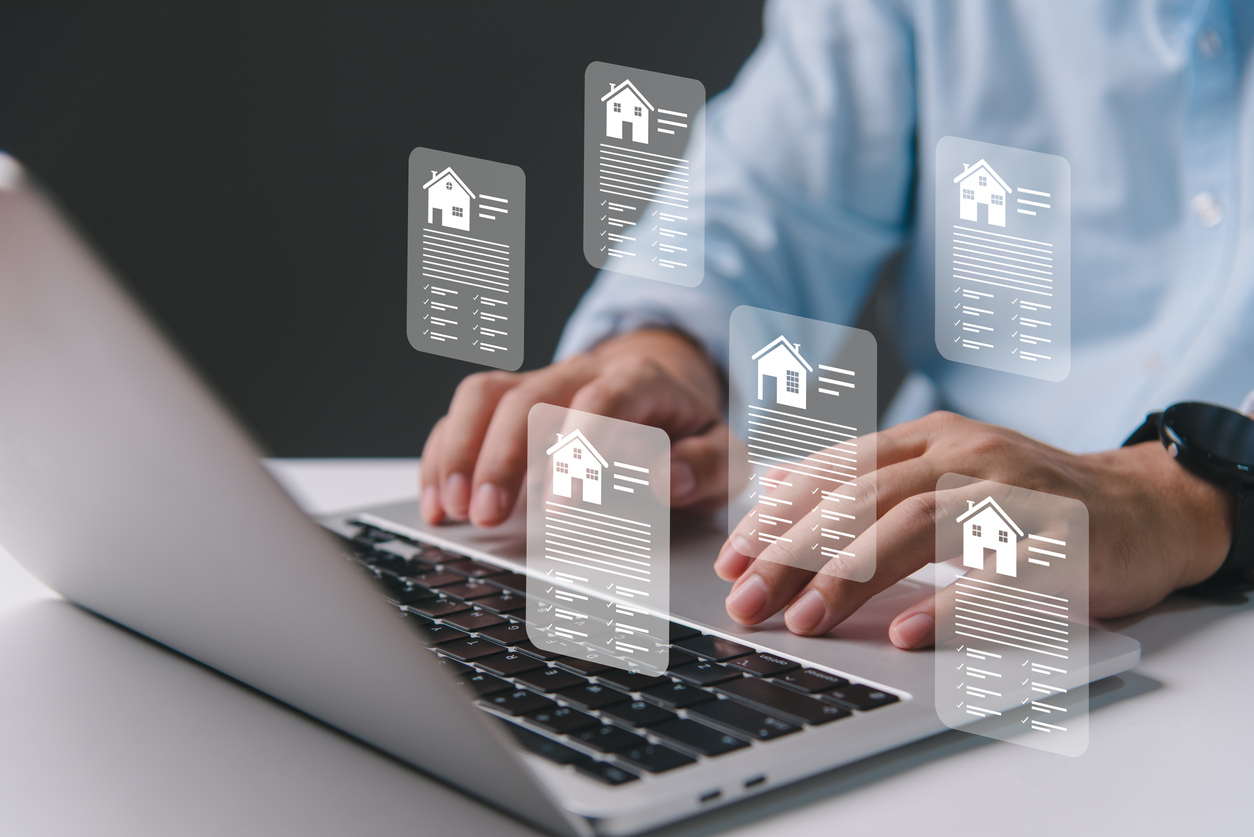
(475, 459)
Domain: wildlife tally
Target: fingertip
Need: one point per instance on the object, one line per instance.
(429, 504)
(488, 506)
(747, 599)
(914, 631)
(730, 564)
(683, 482)
(456, 496)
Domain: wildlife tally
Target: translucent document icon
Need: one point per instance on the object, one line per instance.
(466, 252)
(598, 538)
(644, 173)
(802, 468)
(1003, 258)
(1012, 643)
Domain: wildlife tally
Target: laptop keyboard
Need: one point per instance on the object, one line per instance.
(717, 697)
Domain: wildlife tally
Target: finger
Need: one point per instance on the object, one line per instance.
(645, 393)
(429, 476)
(915, 627)
(904, 540)
(502, 461)
(469, 414)
(699, 470)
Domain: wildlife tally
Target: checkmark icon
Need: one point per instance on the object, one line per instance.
(655, 212)
(751, 531)
(1015, 317)
(603, 217)
(424, 287)
(816, 546)
(1016, 334)
(959, 305)
(1025, 682)
(815, 491)
(424, 316)
(476, 312)
(426, 330)
(1025, 700)
(960, 685)
(960, 647)
(653, 259)
(603, 249)
(960, 704)
(957, 289)
(960, 665)
(1022, 664)
(654, 228)
(476, 297)
(1013, 301)
(957, 322)
(1015, 349)
(812, 528)
(959, 337)
(754, 494)
(1024, 721)
(476, 343)
(603, 203)
(602, 232)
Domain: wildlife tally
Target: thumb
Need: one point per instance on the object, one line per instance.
(699, 470)
(915, 627)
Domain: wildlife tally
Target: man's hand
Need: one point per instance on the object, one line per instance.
(1153, 526)
(476, 456)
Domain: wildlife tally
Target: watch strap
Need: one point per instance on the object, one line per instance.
(1148, 431)
(1237, 569)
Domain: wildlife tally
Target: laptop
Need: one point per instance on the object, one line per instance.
(128, 488)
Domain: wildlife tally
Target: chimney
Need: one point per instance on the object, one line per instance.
(970, 505)
(434, 172)
(559, 437)
(966, 166)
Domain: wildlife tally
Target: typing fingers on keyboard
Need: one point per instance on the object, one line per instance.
(462, 435)
(429, 475)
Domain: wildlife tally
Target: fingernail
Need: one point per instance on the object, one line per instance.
(730, 564)
(806, 614)
(486, 505)
(747, 599)
(741, 545)
(913, 631)
(456, 496)
(430, 504)
(683, 481)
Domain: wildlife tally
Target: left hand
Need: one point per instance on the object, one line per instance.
(1154, 526)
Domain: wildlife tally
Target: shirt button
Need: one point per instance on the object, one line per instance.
(1207, 209)
(1209, 43)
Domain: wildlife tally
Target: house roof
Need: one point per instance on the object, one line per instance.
(973, 169)
(563, 441)
(796, 350)
(449, 170)
(989, 502)
(616, 89)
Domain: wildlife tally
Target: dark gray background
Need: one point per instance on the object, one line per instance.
(244, 167)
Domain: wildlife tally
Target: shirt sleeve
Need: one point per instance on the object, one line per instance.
(809, 161)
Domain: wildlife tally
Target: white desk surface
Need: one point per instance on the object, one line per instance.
(102, 733)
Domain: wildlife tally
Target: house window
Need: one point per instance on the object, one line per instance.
(448, 184)
(792, 381)
(576, 453)
(997, 200)
(976, 530)
(1003, 536)
(563, 468)
(618, 107)
(983, 180)
(968, 194)
(458, 212)
(639, 110)
(594, 474)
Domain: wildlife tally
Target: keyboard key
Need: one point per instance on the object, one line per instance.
(608, 739)
(469, 590)
(502, 602)
(469, 649)
(630, 680)
(811, 680)
(591, 696)
(438, 579)
(509, 633)
(563, 719)
(519, 702)
(678, 632)
(705, 674)
(639, 713)
(528, 647)
(763, 664)
(714, 648)
(433, 633)
(605, 772)
(745, 719)
(698, 737)
(451, 667)
(550, 679)
(677, 695)
(472, 568)
(533, 742)
(483, 684)
(682, 658)
(779, 700)
(439, 608)
(858, 696)
(515, 582)
(475, 620)
(579, 666)
(655, 758)
(509, 664)
(410, 596)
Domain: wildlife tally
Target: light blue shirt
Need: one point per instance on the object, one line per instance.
(819, 164)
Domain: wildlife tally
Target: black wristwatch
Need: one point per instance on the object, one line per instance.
(1217, 444)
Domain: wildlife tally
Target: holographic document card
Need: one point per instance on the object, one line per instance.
(467, 219)
(1003, 258)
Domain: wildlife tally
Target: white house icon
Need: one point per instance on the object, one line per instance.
(625, 105)
(570, 463)
(986, 528)
(979, 184)
(782, 361)
(447, 193)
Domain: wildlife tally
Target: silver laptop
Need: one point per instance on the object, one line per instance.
(126, 486)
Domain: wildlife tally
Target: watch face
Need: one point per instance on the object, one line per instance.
(1225, 437)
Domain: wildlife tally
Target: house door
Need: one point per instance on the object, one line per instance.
(990, 557)
(770, 388)
(437, 216)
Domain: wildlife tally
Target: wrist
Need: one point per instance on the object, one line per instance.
(676, 353)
